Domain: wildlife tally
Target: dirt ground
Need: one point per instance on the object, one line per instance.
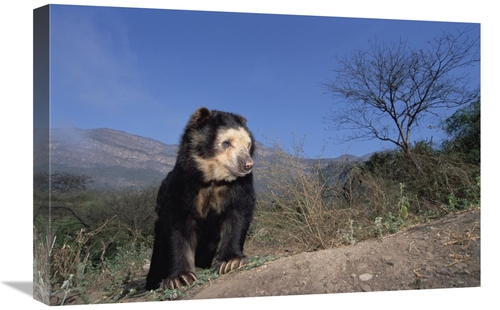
(440, 254)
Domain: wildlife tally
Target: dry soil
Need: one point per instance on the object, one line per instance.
(440, 254)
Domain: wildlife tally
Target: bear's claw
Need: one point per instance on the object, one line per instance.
(233, 264)
(184, 279)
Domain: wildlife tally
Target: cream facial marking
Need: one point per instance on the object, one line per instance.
(236, 138)
(232, 159)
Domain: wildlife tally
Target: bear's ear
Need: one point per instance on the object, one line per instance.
(200, 116)
(243, 120)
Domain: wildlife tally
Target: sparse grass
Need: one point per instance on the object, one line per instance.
(205, 276)
(41, 268)
(122, 275)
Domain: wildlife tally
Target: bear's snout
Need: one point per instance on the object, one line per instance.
(248, 164)
(245, 163)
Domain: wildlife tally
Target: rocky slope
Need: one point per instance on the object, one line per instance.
(111, 157)
(116, 159)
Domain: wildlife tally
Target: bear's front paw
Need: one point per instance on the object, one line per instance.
(232, 264)
(184, 279)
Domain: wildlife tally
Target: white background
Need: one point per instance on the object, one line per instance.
(16, 122)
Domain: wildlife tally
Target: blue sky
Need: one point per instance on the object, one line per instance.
(144, 71)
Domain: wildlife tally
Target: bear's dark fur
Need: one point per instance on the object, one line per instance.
(206, 200)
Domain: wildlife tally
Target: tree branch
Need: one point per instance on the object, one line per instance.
(393, 86)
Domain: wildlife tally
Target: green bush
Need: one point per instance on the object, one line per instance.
(431, 178)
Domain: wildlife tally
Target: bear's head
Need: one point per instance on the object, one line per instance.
(221, 144)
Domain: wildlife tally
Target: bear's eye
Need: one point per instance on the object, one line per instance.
(226, 144)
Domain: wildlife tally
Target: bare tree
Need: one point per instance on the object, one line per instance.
(385, 92)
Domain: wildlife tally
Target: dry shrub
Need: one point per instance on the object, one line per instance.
(294, 209)
(316, 204)
(70, 260)
(41, 267)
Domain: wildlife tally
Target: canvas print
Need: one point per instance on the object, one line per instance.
(184, 155)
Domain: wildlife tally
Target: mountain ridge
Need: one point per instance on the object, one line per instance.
(115, 158)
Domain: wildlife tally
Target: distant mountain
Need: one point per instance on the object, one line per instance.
(113, 158)
(116, 159)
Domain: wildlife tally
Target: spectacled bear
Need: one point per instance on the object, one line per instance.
(206, 203)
